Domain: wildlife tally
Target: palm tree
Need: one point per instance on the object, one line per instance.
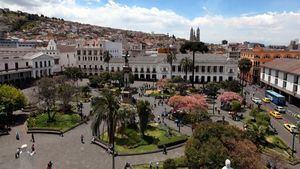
(244, 66)
(106, 58)
(104, 111)
(171, 57)
(125, 115)
(144, 113)
(186, 63)
(194, 47)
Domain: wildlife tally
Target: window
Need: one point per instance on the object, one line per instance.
(142, 70)
(78, 58)
(276, 73)
(84, 66)
(220, 78)
(221, 69)
(285, 76)
(179, 68)
(79, 66)
(215, 69)
(208, 69)
(203, 69)
(90, 66)
(148, 70)
(49, 63)
(118, 69)
(6, 66)
(95, 52)
(45, 63)
(84, 52)
(173, 68)
(197, 68)
(215, 78)
(136, 69)
(27, 64)
(36, 64)
(16, 65)
(90, 52)
(96, 67)
(154, 70)
(41, 64)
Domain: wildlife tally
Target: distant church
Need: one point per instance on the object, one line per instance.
(195, 36)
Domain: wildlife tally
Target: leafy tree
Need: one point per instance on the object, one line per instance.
(186, 63)
(65, 92)
(233, 85)
(106, 57)
(213, 143)
(169, 164)
(171, 57)
(86, 90)
(212, 88)
(194, 47)
(47, 93)
(73, 73)
(244, 65)
(144, 113)
(188, 103)
(126, 116)
(105, 110)
(11, 98)
(177, 79)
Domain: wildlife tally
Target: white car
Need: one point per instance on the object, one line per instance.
(256, 100)
(280, 109)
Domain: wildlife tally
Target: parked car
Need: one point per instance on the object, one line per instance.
(280, 109)
(256, 100)
(275, 114)
(266, 100)
(291, 127)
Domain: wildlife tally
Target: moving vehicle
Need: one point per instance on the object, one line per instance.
(275, 114)
(298, 116)
(276, 98)
(291, 127)
(266, 100)
(256, 100)
(280, 109)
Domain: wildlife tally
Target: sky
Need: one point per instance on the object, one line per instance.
(266, 21)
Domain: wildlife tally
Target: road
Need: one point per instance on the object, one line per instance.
(283, 133)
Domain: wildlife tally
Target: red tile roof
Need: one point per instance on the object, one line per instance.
(284, 64)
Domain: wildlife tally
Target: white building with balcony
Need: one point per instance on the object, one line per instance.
(208, 67)
(283, 76)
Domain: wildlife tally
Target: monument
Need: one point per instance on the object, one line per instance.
(126, 93)
(227, 165)
(25, 158)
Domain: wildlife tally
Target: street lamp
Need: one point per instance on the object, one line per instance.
(294, 132)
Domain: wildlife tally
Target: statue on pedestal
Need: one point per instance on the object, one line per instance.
(227, 165)
(126, 94)
(25, 158)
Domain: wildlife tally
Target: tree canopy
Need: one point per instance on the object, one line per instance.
(188, 103)
(11, 98)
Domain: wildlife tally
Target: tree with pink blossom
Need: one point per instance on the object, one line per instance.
(227, 97)
(163, 83)
(188, 103)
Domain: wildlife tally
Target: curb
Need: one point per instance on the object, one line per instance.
(53, 131)
(105, 147)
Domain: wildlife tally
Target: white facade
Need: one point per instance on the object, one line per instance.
(22, 65)
(208, 67)
(67, 56)
(283, 81)
(114, 48)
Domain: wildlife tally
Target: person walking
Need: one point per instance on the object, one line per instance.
(32, 138)
(17, 135)
(151, 165)
(32, 148)
(165, 150)
(17, 155)
(49, 166)
(81, 138)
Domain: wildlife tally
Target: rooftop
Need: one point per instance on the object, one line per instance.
(285, 65)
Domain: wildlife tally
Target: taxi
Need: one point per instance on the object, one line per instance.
(275, 114)
(290, 127)
(266, 100)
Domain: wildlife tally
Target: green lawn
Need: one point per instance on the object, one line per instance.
(275, 144)
(62, 121)
(132, 141)
(180, 163)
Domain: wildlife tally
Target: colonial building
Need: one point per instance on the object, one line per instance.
(283, 76)
(16, 66)
(208, 67)
(260, 56)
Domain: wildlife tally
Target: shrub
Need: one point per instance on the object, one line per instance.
(172, 141)
(235, 106)
(169, 164)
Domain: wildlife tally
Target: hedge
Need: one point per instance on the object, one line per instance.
(172, 141)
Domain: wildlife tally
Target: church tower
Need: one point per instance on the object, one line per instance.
(198, 35)
(192, 33)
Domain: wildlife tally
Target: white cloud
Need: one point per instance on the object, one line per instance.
(276, 28)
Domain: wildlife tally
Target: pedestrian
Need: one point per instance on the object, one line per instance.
(158, 118)
(154, 104)
(32, 148)
(165, 150)
(17, 135)
(223, 118)
(49, 166)
(81, 138)
(150, 165)
(219, 111)
(157, 164)
(17, 155)
(32, 138)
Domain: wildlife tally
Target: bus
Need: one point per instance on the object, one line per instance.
(276, 98)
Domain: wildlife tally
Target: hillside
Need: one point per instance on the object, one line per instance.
(33, 26)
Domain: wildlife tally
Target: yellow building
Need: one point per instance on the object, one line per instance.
(260, 56)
